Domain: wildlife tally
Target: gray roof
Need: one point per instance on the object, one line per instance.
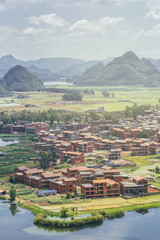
(85, 173)
(87, 185)
(98, 173)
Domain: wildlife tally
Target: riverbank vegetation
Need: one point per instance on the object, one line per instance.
(41, 220)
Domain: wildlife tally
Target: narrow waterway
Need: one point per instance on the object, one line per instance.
(133, 226)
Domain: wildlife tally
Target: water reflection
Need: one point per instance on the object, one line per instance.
(48, 229)
(133, 226)
(142, 211)
(13, 209)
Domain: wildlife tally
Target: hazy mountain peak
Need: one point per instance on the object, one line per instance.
(129, 56)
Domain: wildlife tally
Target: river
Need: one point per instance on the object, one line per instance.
(133, 226)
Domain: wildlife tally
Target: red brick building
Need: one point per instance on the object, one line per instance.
(101, 188)
(63, 185)
(71, 157)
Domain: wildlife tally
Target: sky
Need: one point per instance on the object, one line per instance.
(84, 29)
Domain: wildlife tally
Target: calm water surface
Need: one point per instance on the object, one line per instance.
(5, 142)
(133, 226)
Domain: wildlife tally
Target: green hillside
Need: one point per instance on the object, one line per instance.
(125, 70)
(19, 78)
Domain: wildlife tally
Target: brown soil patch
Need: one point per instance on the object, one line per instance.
(44, 204)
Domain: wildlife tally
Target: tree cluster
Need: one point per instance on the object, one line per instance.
(72, 97)
(88, 91)
(46, 158)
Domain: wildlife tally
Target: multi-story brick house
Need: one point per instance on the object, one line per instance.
(114, 154)
(135, 186)
(101, 188)
(71, 157)
(63, 185)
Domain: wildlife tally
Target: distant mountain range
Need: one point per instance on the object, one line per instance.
(49, 69)
(128, 69)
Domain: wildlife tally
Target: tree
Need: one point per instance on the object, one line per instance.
(44, 159)
(63, 212)
(68, 196)
(105, 93)
(143, 134)
(72, 96)
(92, 92)
(53, 156)
(157, 170)
(13, 179)
(12, 193)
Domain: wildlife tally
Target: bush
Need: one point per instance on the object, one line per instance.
(117, 214)
(41, 220)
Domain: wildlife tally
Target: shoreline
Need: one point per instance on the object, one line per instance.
(107, 213)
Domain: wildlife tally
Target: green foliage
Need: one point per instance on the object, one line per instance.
(12, 193)
(143, 134)
(41, 220)
(45, 158)
(60, 166)
(105, 93)
(157, 169)
(136, 110)
(72, 97)
(64, 212)
(112, 215)
(13, 179)
(68, 195)
(81, 195)
(88, 91)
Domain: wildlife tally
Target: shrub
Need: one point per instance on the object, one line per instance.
(41, 220)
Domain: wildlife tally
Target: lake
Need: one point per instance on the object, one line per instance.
(58, 83)
(133, 226)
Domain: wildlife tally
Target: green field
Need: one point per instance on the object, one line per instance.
(124, 96)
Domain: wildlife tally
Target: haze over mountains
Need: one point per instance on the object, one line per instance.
(49, 69)
(127, 69)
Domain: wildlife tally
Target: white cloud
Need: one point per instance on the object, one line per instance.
(93, 27)
(50, 19)
(35, 31)
(154, 13)
(153, 32)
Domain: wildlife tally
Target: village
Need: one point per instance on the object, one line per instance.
(79, 144)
